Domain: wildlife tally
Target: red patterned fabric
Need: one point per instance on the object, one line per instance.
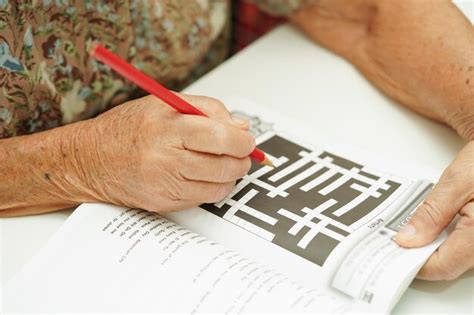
(250, 23)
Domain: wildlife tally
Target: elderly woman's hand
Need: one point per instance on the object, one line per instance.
(140, 154)
(145, 154)
(452, 196)
(425, 62)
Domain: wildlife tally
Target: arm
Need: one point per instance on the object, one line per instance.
(418, 52)
(39, 172)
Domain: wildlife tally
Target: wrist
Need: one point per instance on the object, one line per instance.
(79, 159)
(38, 175)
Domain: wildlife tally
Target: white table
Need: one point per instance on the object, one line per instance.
(294, 76)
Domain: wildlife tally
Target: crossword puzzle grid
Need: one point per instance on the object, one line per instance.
(309, 203)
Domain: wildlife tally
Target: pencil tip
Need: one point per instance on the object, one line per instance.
(267, 162)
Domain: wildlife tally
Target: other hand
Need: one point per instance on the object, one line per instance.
(452, 196)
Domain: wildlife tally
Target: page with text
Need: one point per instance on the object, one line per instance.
(112, 259)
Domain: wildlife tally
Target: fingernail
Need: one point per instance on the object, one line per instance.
(238, 120)
(407, 232)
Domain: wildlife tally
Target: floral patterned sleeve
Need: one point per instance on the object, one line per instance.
(46, 76)
(282, 7)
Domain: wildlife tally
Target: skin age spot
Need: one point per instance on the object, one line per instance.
(470, 68)
(467, 82)
(47, 176)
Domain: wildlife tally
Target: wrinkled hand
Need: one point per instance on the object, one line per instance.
(144, 154)
(396, 60)
(453, 195)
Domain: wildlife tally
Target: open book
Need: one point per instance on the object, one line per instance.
(315, 234)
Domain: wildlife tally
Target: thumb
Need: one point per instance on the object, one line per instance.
(435, 213)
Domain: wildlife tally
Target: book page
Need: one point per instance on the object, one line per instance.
(112, 259)
(320, 204)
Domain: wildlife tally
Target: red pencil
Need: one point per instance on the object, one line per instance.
(134, 75)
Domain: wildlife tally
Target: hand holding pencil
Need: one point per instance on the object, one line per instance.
(148, 155)
(151, 86)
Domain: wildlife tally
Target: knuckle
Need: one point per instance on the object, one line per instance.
(448, 276)
(466, 223)
(188, 128)
(458, 175)
(250, 141)
(245, 165)
(175, 193)
(222, 170)
(224, 190)
(247, 144)
(155, 121)
(229, 140)
(470, 179)
(233, 169)
(221, 137)
(211, 106)
(446, 272)
(174, 183)
(427, 273)
(437, 269)
(216, 105)
(430, 214)
(452, 174)
(221, 191)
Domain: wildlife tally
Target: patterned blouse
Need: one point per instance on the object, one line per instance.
(48, 79)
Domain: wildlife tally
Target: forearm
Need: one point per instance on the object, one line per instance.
(43, 172)
(418, 52)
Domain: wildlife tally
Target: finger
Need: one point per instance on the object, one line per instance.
(437, 211)
(205, 135)
(215, 109)
(200, 193)
(206, 192)
(456, 255)
(212, 168)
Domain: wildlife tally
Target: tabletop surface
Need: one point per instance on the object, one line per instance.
(294, 76)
